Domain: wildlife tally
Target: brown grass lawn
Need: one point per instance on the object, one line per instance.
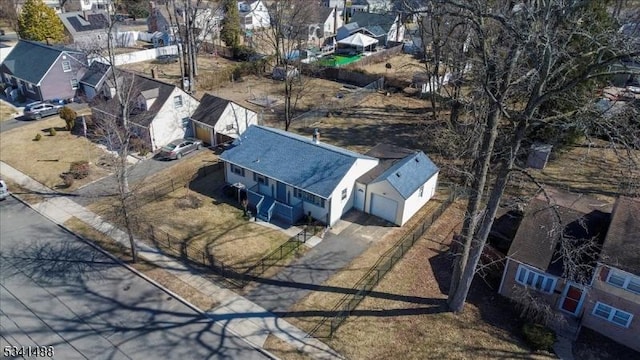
(405, 316)
(153, 271)
(217, 226)
(46, 159)
(595, 168)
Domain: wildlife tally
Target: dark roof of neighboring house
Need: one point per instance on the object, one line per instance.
(141, 84)
(318, 14)
(210, 109)
(621, 248)
(538, 236)
(96, 74)
(84, 21)
(292, 159)
(30, 60)
(405, 169)
(367, 20)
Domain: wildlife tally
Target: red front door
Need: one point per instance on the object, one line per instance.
(572, 299)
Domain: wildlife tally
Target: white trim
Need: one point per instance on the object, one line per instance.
(626, 280)
(612, 312)
(504, 273)
(531, 279)
(580, 302)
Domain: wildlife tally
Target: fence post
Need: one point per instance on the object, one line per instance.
(153, 235)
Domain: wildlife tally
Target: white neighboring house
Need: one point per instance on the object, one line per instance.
(217, 120)
(84, 5)
(254, 14)
(288, 176)
(160, 111)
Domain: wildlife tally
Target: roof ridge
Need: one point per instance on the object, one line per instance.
(51, 47)
(325, 146)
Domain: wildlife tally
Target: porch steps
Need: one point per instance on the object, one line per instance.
(263, 214)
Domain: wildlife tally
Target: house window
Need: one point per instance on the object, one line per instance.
(612, 314)
(625, 281)
(260, 179)
(230, 127)
(421, 191)
(237, 170)
(344, 194)
(30, 88)
(66, 66)
(177, 101)
(307, 197)
(536, 280)
(74, 84)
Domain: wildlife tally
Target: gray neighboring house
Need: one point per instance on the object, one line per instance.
(42, 72)
(385, 28)
(86, 30)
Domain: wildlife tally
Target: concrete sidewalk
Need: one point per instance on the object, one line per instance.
(242, 316)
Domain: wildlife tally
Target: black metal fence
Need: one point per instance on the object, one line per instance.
(163, 189)
(348, 303)
(238, 275)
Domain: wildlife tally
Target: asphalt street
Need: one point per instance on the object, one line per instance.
(58, 291)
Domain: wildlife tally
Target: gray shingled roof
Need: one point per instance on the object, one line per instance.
(141, 84)
(210, 109)
(409, 173)
(292, 159)
(96, 74)
(85, 21)
(30, 61)
(621, 248)
(367, 20)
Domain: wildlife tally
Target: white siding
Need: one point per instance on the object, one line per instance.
(237, 116)
(385, 189)
(415, 202)
(171, 122)
(338, 206)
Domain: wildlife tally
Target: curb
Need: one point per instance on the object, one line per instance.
(146, 278)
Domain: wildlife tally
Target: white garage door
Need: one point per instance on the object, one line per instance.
(384, 207)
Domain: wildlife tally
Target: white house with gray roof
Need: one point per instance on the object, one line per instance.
(288, 176)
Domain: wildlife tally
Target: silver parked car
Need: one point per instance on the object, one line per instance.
(38, 110)
(177, 148)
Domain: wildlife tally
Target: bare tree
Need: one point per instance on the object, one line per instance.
(527, 56)
(292, 24)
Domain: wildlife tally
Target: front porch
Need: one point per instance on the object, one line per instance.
(269, 209)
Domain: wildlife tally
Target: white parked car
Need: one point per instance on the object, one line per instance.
(4, 191)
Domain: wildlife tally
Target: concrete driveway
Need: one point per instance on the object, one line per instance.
(349, 238)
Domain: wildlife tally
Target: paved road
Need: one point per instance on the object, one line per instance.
(56, 290)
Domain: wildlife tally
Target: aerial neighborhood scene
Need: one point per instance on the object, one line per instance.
(320, 179)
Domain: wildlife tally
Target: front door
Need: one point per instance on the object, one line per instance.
(281, 192)
(571, 300)
(358, 202)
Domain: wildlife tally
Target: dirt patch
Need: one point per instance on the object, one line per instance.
(46, 159)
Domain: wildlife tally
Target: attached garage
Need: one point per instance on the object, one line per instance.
(384, 207)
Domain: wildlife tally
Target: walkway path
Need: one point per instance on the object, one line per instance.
(242, 316)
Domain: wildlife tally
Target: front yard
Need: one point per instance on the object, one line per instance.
(45, 159)
(217, 227)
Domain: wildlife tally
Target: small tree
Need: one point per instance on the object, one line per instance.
(39, 22)
(69, 116)
(230, 32)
